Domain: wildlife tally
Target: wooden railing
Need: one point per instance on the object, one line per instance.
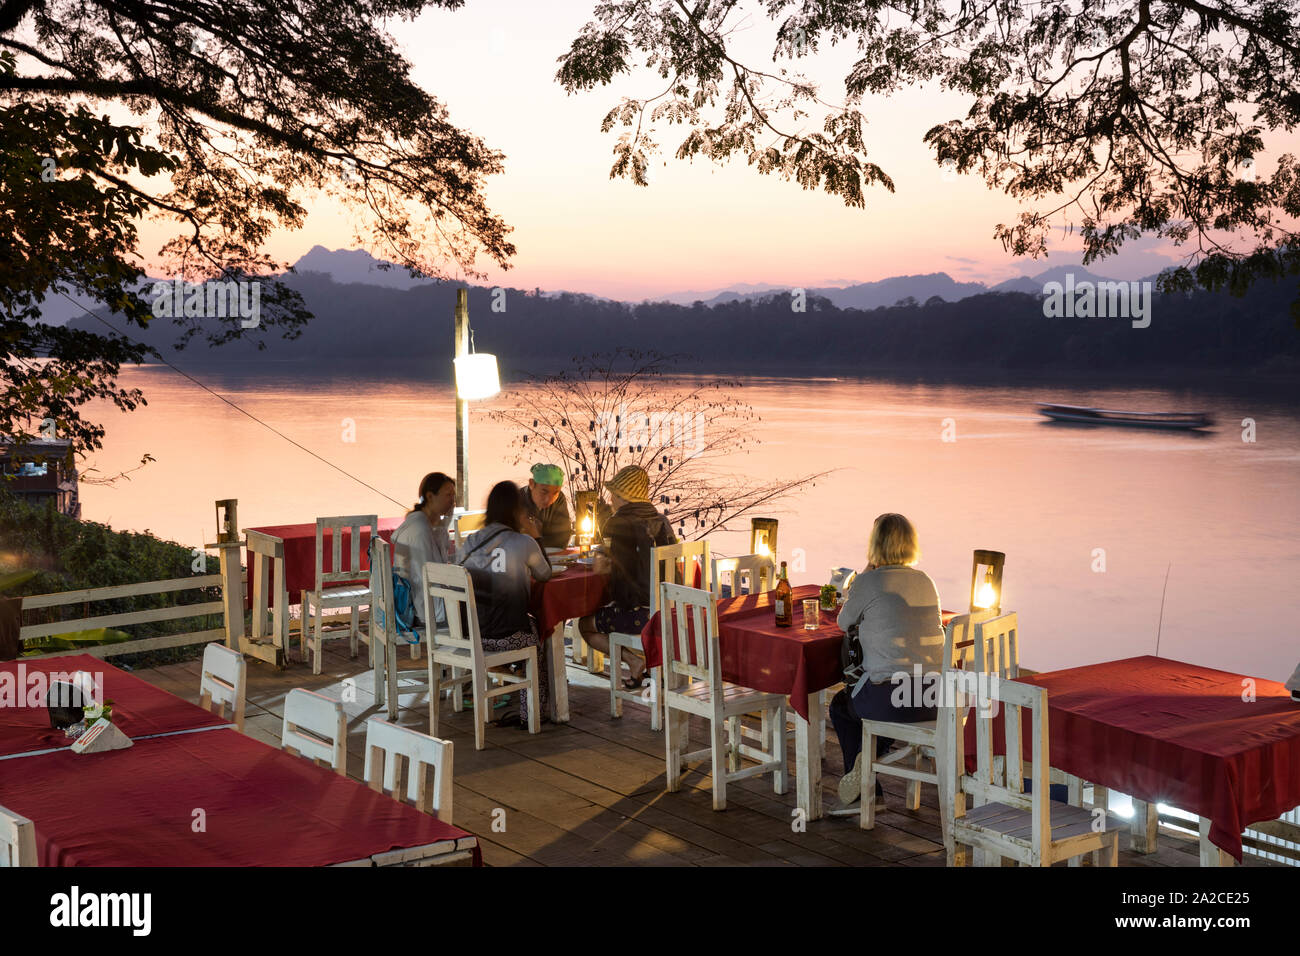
(87, 596)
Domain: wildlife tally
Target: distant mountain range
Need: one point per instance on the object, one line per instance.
(370, 322)
(356, 266)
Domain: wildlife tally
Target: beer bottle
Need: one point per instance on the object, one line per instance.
(784, 600)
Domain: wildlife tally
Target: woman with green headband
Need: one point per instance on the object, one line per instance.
(548, 511)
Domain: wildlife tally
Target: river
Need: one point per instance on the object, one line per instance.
(1093, 519)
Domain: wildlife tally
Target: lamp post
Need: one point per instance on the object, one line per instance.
(476, 378)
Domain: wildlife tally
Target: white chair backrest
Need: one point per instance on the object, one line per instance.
(383, 626)
(388, 745)
(690, 616)
(224, 680)
(466, 523)
(268, 572)
(342, 568)
(1012, 699)
(17, 840)
(676, 563)
(959, 644)
(453, 585)
(754, 574)
(997, 647)
(316, 727)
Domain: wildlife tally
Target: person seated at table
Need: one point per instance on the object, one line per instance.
(424, 536)
(634, 529)
(547, 508)
(892, 615)
(503, 562)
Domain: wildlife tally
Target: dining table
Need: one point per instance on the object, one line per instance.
(300, 556)
(193, 791)
(759, 654)
(1221, 745)
(573, 592)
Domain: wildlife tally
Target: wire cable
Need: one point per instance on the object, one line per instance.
(242, 411)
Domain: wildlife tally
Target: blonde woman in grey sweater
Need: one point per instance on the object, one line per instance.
(892, 619)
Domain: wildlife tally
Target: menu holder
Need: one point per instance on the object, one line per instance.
(102, 735)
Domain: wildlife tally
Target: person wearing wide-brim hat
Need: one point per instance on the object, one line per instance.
(546, 506)
(634, 529)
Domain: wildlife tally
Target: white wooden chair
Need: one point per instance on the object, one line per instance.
(224, 682)
(269, 623)
(338, 587)
(17, 840)
(693, 615)
(750, 573)
(461, 646)
(1031, 829)
(675, 563)
(316, 727)
(920, 758)
(385, 639)
(997, 646)
(388, 745)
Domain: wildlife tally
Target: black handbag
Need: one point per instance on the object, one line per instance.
(851, 656)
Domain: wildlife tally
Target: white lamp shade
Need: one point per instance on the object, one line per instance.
(476, 376)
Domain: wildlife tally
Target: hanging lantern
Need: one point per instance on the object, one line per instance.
(476, 376)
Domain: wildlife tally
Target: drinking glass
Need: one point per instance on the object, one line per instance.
(811, 614)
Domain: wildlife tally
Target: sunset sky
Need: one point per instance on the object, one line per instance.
(697, 227)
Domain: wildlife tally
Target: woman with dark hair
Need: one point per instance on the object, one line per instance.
(423, 535)
(504, 562)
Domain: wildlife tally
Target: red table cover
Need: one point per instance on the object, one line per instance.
(758, 654)
(139, 708)
(300, 555)
(577, 592)
(1171, 732)
(261, 807)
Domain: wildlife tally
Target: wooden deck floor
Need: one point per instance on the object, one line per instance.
(591, 792)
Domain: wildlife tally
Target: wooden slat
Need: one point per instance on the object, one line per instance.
(173, 613)
(143, 644)
(60, 598)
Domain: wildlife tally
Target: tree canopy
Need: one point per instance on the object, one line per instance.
(1117, 118)
(225, 118)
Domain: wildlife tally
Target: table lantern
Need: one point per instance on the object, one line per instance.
(586, 531)
(986, 581)
(762, 536)
(227, 521)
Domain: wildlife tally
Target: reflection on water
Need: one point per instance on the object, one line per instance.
(1091, 518)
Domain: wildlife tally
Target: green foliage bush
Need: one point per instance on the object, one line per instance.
(69, 555)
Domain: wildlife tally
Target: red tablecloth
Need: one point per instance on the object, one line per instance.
(261, 807)
(1170, 732)
(758, 654)
(300, 555)
(139, 708)
(575, 593)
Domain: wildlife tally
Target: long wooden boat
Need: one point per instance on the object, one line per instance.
(1104, 416)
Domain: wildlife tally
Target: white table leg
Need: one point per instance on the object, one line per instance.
(1211, 855)
(808, 759)
(559, 677)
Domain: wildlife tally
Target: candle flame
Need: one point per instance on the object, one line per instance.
(587, 525)
(986, 597)
(763, 549)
